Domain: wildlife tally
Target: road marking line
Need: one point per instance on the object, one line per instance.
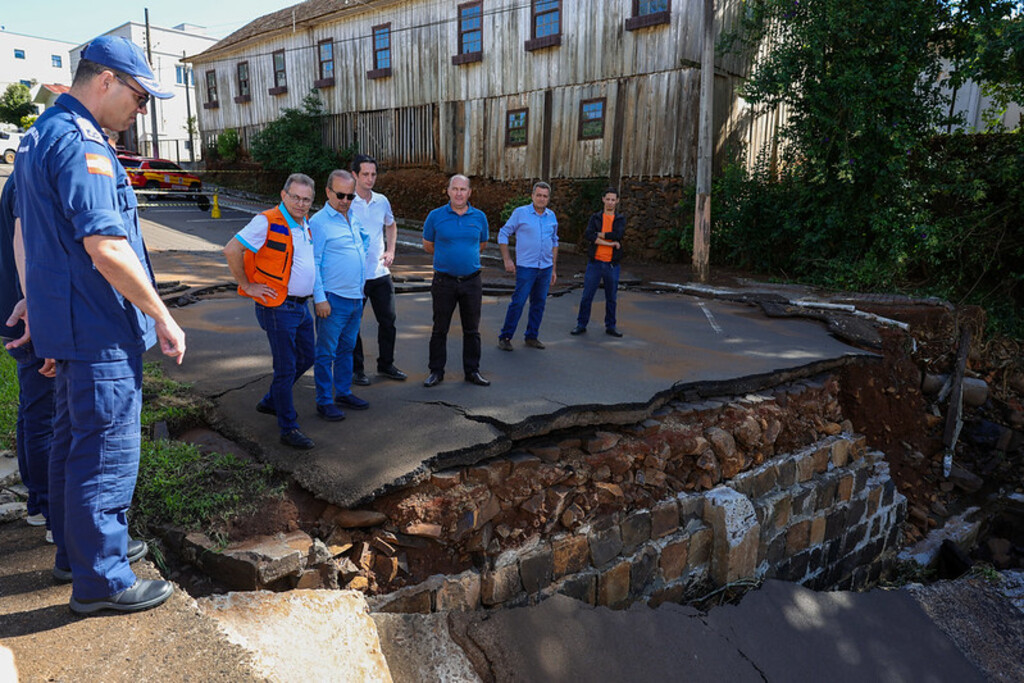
(710, 317)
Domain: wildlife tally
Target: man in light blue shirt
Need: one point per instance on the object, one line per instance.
(339, 257)
(536, 231)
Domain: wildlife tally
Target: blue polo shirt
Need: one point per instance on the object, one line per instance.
(536, 236)
(10, 288)
(456, 239)
(71, 186)
(339, 254)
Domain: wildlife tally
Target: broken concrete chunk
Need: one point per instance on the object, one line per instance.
(424, 529)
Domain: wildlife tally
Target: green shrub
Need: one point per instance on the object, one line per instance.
(294, 142)
(228, 145)
(513, 204)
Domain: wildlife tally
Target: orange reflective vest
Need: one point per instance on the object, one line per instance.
(272, 264)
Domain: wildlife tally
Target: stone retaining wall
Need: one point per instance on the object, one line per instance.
(827, 516)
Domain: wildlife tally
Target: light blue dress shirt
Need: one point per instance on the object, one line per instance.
(536, 236)
(339, 254)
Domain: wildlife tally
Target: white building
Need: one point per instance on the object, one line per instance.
(168, 47)
(33, 61)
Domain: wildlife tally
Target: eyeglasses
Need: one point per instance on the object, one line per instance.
(300, 200)
(343, 195)
(142, 97)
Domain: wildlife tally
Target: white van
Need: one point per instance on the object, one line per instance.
(9, 143)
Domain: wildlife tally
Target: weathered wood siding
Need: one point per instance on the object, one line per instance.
(430, 111)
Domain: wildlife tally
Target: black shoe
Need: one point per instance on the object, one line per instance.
(330, 412)
(392, 372)
(579, 329)
(434, 379)
(504, 344)
(533, 343)
(145, 593)
(352, 401)
(262, 407)
(478, 379)
(612, 331)
(136, 551)
(360, 379)
(297, 439)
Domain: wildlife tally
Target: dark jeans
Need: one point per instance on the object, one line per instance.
(599, 272)
(93, 467)
(381, 293)
(34, 427)
(447, 292)
(532, 283)
(289, 329)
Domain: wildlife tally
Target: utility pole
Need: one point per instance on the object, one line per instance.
(152, 100)
(705, 145)
(188, 111)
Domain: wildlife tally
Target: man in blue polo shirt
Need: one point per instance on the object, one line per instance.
(339, 256)
(35, 384)
(93, 306)
(456, 234)
(536, 231)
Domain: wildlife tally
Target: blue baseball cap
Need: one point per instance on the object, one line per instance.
(127, 57)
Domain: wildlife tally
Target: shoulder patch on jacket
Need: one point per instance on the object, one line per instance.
(89, 131)
(99, 164)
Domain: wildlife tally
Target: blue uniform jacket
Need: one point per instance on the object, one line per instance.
(10, 288)
(71, 186)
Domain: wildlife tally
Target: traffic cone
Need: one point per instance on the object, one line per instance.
(215, 213)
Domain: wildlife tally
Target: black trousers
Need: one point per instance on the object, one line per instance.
(381, 293)
(467, 294)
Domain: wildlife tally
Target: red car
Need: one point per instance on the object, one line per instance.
(158, 174)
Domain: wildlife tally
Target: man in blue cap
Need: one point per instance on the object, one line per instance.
(92, 305)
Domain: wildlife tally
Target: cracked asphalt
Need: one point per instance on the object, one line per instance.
(673, 343)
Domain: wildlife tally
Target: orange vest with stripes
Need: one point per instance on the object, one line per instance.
(272, 264)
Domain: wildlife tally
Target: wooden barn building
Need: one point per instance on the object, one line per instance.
(501, 89)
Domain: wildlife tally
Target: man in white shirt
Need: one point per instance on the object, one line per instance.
(373, 210)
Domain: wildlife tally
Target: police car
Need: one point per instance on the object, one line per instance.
(158, 174)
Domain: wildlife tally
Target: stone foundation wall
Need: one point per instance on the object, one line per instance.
(827, 516)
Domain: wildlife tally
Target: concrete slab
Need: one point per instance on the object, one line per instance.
(563, 639)
(791, 633)
(672, 342)
(779, 633)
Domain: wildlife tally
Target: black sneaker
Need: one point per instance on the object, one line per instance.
(504, 344)
(579, 329)
(262, 407)
(144, 594)
(360, 379)
(297, 439)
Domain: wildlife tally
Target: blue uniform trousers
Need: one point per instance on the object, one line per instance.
(93, 467)
(532, 283)
(34, 428)
(599, 272)
(335, 340)
(289, 329)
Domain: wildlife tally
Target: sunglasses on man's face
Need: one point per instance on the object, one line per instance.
(343, 195)
(142, 97)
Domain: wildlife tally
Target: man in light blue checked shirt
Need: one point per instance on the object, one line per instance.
(339, 256)
(536, 231)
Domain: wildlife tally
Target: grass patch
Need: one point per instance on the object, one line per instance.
(181, 486)
(170, 401)
(8, 400)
